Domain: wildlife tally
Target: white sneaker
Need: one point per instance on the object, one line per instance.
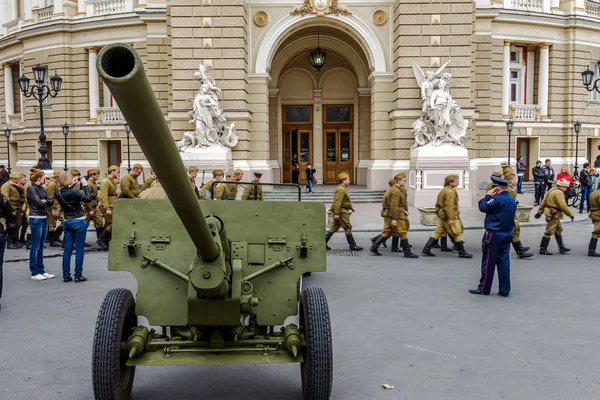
(38, 277)
(48, 276)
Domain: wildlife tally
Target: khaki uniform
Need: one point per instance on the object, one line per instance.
(147, 184)
(24, 222)
(594, 213)
(554, 207)
(14, 197)
(206, 190)
(446, 208)
(397, 205)
(52, 188)
(341, 206)
(234, 191)
(385, 207)
(223, 191)
(92, 206)
(156, 192)
(129, 187)
(108, 195)
(249, 193)
(517, 229)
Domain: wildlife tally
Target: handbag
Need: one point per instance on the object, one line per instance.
(314, 179)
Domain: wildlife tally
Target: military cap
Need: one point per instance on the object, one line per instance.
(563, 183)
(229, 174)
(399, 176)
(343, 176)
(238, 172)
(499, 181)
(449, 179)
(504, 164)
(510, 175)
(75, 172)
(14, 175)
(112, 168)
(259, 174)
(138, 166)
(218, 172)
(22, 175)
(391, 182)
(56, 174)
(193, 169)
(94, 171)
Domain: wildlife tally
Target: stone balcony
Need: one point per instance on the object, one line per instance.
(525, 112)
(110, 116)
(43, 14)
(108, 7)
(592, 8)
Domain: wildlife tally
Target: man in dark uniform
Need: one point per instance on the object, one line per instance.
(6, 212)
(539, 179)
(3, 175)
(500, 209)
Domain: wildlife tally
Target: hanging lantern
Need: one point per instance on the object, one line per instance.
(318, 56)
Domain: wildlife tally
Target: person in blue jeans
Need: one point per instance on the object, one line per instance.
(585, 180)
(70, 197)
(520, 174)
(39, 202)
(310, 173)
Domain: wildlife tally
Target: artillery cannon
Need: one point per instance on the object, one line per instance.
(219, 277)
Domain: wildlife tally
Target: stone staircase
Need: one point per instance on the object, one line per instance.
(324, 194)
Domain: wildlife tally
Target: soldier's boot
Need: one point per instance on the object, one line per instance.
(444, 245)
(544, 246)
(22, 236)
(436, 244)
(561, 245)
(53, 235)
(13, 241)
(461, 250)
(521, 251)
(99, 232)
(384, 244)
(406, 248)
(28, 241)
(352, 243)
(427, 249)
(57, 232)
(395, 242)
(103, 240)
(328, 236)
(375, 247)
(454, 247)
(592, 248)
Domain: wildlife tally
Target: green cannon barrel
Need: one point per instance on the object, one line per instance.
(122, 71)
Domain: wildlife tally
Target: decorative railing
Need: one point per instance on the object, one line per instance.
(528, 5)
(43, 14)
(110, 115)
(592, 8)
(524, 112)
(106, 7)
(12, 26)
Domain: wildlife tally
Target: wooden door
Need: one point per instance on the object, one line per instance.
(337, 142)
(113, 151)
(523, 149)
(296, 141)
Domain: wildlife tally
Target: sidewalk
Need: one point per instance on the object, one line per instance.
(22, 254)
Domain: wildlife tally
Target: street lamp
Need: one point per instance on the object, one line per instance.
(128, 131)
(587, 77)
(40, 91)
(577, 127)
(65, 130)
(7, 134)
(509, 127)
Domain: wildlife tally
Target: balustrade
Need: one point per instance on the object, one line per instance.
(106, 7)
(110, 115)
(43, 14)
(592, 8)
(524, 112)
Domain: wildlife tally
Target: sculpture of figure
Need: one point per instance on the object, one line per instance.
(208, 118)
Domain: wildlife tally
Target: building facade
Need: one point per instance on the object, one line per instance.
(519, 59)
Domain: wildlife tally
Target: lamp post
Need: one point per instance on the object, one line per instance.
(577, 127)
(509, 127)
(589, 83)
(128, 131)
(40, 91)
(7, 134)
(65, 130)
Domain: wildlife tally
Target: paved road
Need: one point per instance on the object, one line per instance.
(411, 324)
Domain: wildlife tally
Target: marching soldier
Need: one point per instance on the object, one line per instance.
(384, 214)
(25, 225)
(91, 209)
(148, 182)
(595, 216)
(129, 184)
(521, 250)
(108, 194)
(250, 189)
(340, 209)
(238, 175)
(54, 232)
(554, 207)
(193, 173)
(223, 190)
(206, 190)
(398, 224)
(10, 190)
(449, 221)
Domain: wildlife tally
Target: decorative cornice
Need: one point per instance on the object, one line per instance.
(308, 7)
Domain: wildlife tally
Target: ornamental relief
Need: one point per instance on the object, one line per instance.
(320, 8)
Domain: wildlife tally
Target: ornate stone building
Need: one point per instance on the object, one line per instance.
(509, 58)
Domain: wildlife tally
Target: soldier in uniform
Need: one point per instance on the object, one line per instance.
(130, 189)
(206, 190)
(91, 209)
(250, 189)
(148, 182)
(156, 192)
(25, 225)
(594, 214)
(11, 191)
(521, 250)
(340, 210)
(397, 224)
(238, 175)
(54, 232)
(554, 207)
(384, 213)
(108, 194)
(223, 190)
(449, 221)
(193, 173)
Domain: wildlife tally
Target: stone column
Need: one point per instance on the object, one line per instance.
(506, 80)
(27, 14)
(543, 80)
(258, 105)
(555, 5)
(58, 8)
(13, 9)
(382, 98)
(579, 5)
(93, 84)
(530, 75)
(317, 150)
(9, 99)
(80, 7)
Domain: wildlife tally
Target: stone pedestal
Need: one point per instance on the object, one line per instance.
(428, 167)
(207, 160)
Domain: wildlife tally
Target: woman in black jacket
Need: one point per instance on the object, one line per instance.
(38, 202)
(310, 174)
(70, 200)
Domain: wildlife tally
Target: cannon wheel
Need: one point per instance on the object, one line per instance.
(112, 379)
(317, 367)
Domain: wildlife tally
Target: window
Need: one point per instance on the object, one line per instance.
(48, 3)
(297, 114)
(594, 94)
(513, 57)
(113, 148)
(515, 83)
(338, 114)
(49, 147)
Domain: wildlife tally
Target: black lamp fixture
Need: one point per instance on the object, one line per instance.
(41, 92)
(589, 83)
(318, 56)
(128, 131)
(65, 131)
(7, 134)
(509, 127)
(577, 128)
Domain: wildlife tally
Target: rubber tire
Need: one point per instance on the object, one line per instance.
(111, 379)
(317, 367)
(577, 199)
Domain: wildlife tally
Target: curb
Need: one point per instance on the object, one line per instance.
(15, 260)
